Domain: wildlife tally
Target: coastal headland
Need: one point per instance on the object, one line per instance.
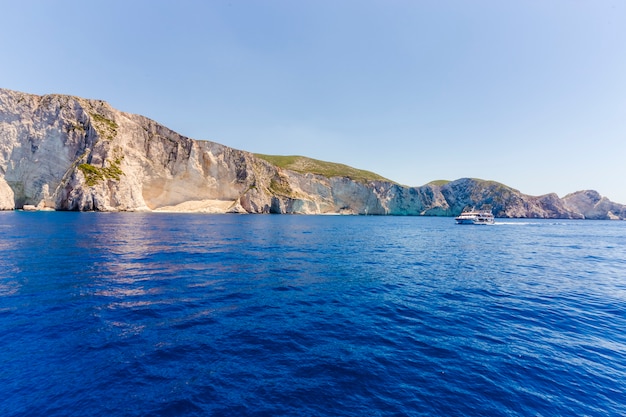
(61, 152)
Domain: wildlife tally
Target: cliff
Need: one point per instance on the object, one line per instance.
(69, 153)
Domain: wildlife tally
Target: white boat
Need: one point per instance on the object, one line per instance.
(475, 217)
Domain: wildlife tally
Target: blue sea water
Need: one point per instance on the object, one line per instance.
(128, 314)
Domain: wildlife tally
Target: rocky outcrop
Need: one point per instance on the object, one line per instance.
(504, 201)
(592, 205)
(7, 199)
(68, 153)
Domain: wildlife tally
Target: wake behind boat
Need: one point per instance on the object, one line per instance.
(475, 217)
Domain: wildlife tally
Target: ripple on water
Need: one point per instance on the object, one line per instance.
(306, 315)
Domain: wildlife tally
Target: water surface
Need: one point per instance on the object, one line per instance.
(128, 314)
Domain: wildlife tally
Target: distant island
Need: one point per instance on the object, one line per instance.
(61, 152)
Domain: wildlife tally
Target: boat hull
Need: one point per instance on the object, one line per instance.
(475, 218)
(474, 222)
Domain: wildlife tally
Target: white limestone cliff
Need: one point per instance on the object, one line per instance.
(7, 199)
(68, 153)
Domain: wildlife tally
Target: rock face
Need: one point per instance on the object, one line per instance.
(68, 153)
(592, 205)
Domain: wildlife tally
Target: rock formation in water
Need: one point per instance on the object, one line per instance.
(68, 153)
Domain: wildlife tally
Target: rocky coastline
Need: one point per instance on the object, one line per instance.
(68, 153)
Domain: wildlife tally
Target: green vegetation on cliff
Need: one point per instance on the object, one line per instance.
(107, 128)
(306, 165)
(439, 183)
(93, 174)
(281, 188)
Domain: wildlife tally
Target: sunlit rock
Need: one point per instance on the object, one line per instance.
(68, 153)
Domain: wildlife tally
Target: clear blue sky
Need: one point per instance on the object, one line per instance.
(530, 93)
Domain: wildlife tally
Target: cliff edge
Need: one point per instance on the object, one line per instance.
(69, 153)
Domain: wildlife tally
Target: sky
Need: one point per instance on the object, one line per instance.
(529, 93)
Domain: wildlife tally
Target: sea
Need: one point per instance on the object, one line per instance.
(146, 314)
